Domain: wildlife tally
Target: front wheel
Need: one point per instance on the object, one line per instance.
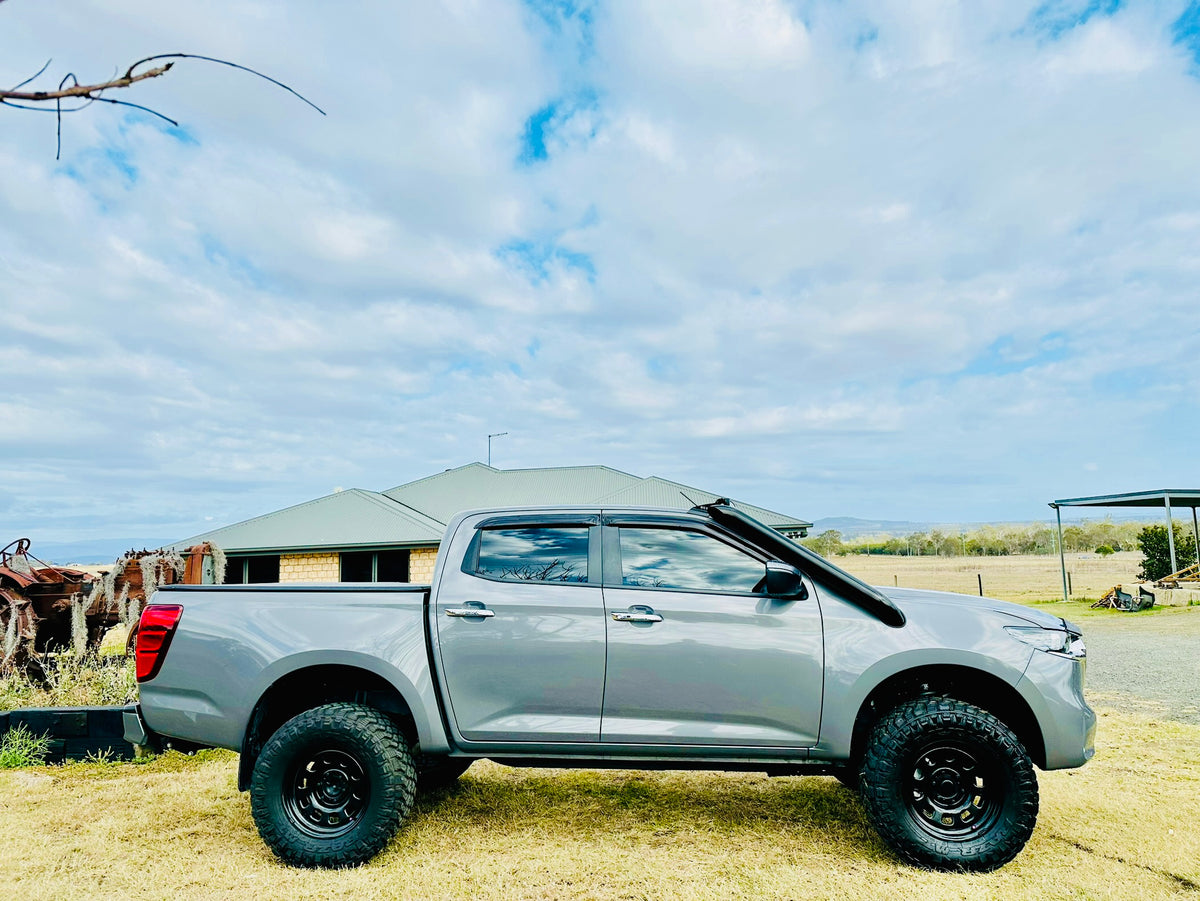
(949, 786)
(332, 786)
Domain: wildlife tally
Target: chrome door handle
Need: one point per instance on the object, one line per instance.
(469, 611)
(636, 618)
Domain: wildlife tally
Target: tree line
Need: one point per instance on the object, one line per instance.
(1099, 536)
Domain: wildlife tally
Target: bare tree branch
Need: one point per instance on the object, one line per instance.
(81, 90)
(90, 93)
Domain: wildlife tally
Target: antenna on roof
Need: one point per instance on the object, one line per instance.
(689, 500)
(490, 437)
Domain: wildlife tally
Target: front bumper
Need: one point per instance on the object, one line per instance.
(1053, 685)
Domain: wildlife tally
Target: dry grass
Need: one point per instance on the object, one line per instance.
(73, 682)
(177, 827)
(1025, 579)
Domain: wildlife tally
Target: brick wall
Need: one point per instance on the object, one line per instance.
(309, 568)
(420, 564)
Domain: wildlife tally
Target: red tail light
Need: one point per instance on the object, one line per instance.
(155, 629)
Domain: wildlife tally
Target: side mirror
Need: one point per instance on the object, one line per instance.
(785, 581)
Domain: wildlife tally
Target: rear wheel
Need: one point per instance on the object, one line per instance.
(949, 786)
(331, 787)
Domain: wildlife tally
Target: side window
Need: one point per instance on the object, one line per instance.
(672, 558)
(534, 554)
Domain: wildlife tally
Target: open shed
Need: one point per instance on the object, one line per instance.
(1164, 498)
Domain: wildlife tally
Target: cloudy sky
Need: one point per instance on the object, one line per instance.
(906, 260)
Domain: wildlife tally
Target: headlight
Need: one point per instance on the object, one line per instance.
(1053, 641)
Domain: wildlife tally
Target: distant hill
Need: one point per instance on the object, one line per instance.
(97, 551)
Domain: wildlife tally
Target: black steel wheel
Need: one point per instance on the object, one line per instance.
(332, 786)
(949, 786)
(326, 792)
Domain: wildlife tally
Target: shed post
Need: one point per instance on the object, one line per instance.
(1062, 557)
(1170, 532)
(1195, 533)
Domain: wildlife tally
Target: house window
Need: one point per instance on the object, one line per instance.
(375, 566)
(252, 570)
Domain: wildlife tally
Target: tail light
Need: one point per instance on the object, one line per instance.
(155, 629)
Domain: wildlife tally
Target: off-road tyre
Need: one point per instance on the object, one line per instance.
(436, 772)
(332, 786)
(949, 786)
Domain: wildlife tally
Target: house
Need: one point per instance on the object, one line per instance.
(393, 536)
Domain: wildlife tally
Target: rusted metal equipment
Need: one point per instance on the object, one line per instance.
(44, 607)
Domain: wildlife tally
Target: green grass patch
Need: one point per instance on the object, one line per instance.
(19, 747)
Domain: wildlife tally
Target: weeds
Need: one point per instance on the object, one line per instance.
(20, 747)
(73, 681)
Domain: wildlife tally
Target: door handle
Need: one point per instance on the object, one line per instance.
(636, 618)
(469, 611)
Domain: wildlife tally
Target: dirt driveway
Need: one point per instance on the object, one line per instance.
(1148, 664)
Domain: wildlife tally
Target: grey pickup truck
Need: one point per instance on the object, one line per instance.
(618, 637)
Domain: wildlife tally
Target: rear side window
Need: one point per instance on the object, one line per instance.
(676, 559)
(534, 554)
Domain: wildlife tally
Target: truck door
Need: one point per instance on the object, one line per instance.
(697, 653)
(521, 631)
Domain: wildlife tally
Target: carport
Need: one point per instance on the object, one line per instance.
(1164, 498)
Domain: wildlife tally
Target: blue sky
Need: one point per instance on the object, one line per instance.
(923, 261)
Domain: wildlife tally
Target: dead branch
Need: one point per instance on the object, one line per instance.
(83, 90)
(93, 93)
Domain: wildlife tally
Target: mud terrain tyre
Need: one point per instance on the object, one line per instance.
(949, 786)
(332, 786)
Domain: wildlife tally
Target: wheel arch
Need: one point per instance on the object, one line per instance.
(964, 683)
(312, 686)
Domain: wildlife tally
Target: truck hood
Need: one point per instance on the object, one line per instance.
(908, 598)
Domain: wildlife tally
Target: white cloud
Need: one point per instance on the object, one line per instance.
(907, 260)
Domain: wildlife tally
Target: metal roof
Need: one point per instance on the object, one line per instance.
(347, 519)
(1179, 498)
(656, 492)
(477, 485)
(415, 514)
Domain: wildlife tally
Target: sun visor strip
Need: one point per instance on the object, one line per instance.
(853, 590)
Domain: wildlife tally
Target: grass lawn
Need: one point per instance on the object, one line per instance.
(1121, 827)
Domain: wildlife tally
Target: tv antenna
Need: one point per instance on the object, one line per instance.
(490, 437)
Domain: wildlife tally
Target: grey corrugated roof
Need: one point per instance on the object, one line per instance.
(477, 485)
(354, 518)
(1180, 497)
(416, 514)
(656, 492)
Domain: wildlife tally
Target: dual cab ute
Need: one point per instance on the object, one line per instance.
(619, 637)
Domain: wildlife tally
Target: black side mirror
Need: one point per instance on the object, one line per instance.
(785, 581)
